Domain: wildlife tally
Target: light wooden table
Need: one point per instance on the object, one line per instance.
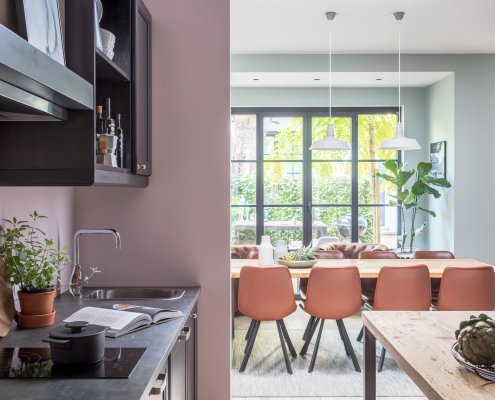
(367, 268)
(420, 343)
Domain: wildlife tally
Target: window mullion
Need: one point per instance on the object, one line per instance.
(259, 179)
(354, 179)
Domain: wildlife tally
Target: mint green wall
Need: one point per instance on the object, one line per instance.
(440, 123)
(412, 99)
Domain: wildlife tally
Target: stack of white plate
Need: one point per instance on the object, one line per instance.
(108, 42)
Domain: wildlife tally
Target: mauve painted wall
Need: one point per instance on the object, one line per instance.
(176, 231)
(57, 203)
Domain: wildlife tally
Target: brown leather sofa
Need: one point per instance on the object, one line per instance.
(240, 252)
(350, 251)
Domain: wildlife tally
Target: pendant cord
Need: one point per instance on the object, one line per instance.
(400, 111)
(330, 76)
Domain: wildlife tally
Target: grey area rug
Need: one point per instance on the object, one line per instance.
(333, 376)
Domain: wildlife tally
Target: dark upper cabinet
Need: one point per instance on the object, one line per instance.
(141, 89)
(54, 144)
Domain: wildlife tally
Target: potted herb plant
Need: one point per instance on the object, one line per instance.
(32, 265)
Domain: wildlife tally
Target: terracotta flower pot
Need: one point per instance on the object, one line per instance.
(36, 321)
(36, 303)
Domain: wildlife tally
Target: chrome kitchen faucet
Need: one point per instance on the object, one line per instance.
(75, 279)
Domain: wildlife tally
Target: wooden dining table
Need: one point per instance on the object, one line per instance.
(420, 342)
(367, 268)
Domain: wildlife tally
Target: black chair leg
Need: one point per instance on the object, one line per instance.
(310, 336)
(315, 350)
(249, 346)
(284, 350)
(360, 336)
(308, 327)
(382, 360)
(348, 345)
(287, 338)
(343, 340)
(250, 329)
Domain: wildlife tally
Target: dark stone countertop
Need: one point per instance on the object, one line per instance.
(159, 340)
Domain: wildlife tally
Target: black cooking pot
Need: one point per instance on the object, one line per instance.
(77, 343)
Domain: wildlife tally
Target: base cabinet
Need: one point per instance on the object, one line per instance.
(182, 363)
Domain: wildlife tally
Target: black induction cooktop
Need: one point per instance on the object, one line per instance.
(35, 362)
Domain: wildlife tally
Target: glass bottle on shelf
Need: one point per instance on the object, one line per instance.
(120, 148)
(109, 122)
(100, 121)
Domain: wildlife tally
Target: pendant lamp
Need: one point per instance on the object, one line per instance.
(330, 143)
(400, 142)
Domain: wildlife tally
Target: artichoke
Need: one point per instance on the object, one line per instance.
(476, 340)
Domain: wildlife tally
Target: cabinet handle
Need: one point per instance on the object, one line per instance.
(162, 376)
(194, 315)
(184, 335)
(141, 166)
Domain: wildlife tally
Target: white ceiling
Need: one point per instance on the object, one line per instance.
(363, 26)
(339, 79)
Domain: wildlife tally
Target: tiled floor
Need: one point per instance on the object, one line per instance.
(299, 320)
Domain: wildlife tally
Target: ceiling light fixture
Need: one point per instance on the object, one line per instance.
(330, 143)
(399, 142)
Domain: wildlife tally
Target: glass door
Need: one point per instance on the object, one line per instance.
(282, 189)
(283, 179)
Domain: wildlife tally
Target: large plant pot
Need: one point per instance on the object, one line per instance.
(407, 255)
(36, 309)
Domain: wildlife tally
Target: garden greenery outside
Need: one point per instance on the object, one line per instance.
(331, 179)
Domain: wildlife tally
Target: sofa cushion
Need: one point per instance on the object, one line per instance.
(352, 250)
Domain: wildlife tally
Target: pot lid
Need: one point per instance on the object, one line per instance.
(77, 329)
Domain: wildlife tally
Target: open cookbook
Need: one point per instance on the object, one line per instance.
(123, 318)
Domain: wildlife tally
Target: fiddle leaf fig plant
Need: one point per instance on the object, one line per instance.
(399, 177)
(30, 263)
(409, 199)
(424, 186)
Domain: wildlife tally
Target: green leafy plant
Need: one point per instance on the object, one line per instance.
(409, 199)
(399, 177)
(31, 263)
(424, 186)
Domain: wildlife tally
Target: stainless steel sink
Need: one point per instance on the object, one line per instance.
(138, 293)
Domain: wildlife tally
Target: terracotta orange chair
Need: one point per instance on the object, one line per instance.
(435, 282)
(333, 293)
(368, 285)
(467, 289)
(303, 282)
(402, 288)
(266, 294)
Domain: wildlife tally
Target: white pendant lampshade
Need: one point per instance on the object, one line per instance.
(400, 142)
(330, 143)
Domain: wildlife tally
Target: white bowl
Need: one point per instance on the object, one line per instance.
(106, 33)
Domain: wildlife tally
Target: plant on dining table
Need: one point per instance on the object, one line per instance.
(408, 199)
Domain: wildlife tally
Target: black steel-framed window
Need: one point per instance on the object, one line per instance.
(307, 115)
